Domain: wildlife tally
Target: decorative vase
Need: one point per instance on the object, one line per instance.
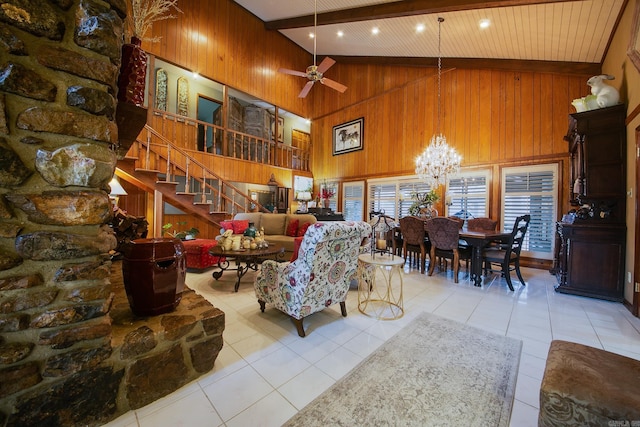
(325, 202)
(153, 272)
(133, 73)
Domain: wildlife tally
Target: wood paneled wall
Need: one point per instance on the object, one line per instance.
(224, 42)
(493, 118)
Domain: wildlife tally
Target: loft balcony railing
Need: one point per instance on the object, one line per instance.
(193, 134)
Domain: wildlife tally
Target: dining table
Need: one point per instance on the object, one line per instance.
(478, 240)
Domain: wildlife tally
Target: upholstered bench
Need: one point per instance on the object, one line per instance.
(587, 386)
(197, 252)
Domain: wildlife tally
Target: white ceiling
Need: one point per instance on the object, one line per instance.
(524, 30)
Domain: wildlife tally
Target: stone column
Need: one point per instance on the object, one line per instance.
(58, 72)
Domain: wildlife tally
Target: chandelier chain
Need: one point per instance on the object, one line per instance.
(440, 20)
(439, 160)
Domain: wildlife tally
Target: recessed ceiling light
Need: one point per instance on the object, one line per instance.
(375, 30)
(419, 28)
(340, 33)
(311, 35)
(484, 23)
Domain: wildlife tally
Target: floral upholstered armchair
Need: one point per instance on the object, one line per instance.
(326, 266)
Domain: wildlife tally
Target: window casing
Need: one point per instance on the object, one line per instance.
(353, 201)
(532, 190)
(393, 195)
(468, 195)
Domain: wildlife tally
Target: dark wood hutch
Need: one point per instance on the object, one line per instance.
(591, 237)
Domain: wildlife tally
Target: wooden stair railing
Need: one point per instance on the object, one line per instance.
(173, 166)
(197, 135)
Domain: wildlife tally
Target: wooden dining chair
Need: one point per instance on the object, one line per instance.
(444, 236)
(482, 224)
(413, 239)
(507, 252)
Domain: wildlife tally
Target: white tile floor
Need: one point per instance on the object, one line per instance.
(265, 373)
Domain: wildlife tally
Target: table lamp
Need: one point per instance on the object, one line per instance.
(303, 198)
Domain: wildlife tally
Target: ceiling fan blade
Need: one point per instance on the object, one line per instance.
(292, 72)
(325, 64)
(334, 85)
(305, 90)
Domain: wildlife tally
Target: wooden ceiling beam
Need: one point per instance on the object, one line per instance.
(395, 10)
(559, 67)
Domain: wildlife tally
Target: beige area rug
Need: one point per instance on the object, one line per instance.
(434, 372)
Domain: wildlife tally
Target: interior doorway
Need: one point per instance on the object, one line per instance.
(209, 138)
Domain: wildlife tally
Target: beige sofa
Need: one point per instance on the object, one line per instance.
(275, 226)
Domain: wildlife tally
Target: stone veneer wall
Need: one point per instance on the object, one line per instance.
(67, 358)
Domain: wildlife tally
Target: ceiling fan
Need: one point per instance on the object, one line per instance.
(315, 72)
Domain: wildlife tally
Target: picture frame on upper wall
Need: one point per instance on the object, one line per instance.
(348, 137)
(634, 41)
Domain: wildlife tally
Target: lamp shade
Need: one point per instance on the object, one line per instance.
(116, 188)
(304, 196)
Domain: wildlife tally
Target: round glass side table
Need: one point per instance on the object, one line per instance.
(380, 286)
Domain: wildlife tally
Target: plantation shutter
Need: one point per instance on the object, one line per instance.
(532, 190)
(382, 197)
(468, 195)
(353, 201)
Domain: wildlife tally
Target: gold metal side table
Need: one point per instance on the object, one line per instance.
(379, 295)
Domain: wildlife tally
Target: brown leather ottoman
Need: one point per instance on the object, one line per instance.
(587, 386)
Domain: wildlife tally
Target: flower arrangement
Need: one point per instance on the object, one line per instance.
(145, 12)
(326, 193)
(422, 201)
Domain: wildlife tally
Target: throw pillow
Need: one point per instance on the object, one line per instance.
(292, 228)
(296, 248)
(226, 225)
(240, 225)
(303, 228)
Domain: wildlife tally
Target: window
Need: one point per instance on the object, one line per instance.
(353, 201)
(467, 195)
(532, 190)
(393, 196)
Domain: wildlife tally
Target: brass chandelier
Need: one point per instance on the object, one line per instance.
(438, 160)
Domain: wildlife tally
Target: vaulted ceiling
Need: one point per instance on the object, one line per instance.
(535, 35)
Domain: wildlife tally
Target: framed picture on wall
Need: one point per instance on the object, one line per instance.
(347, 137)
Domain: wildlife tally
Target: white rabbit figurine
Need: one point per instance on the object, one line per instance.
(606, 96)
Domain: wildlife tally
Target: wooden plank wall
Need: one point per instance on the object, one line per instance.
(493, 118)
(224, 42)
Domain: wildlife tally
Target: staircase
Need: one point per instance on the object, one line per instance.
(155, 163)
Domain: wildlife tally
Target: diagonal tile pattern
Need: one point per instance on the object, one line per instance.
(265, 373)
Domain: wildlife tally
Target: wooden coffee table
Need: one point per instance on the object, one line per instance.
(245, 259)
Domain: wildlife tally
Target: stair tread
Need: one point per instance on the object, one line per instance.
(168, 182)
(147, 170)
(183, 193)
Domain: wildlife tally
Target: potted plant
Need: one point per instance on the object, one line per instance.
(189, 234)
(423, 204)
